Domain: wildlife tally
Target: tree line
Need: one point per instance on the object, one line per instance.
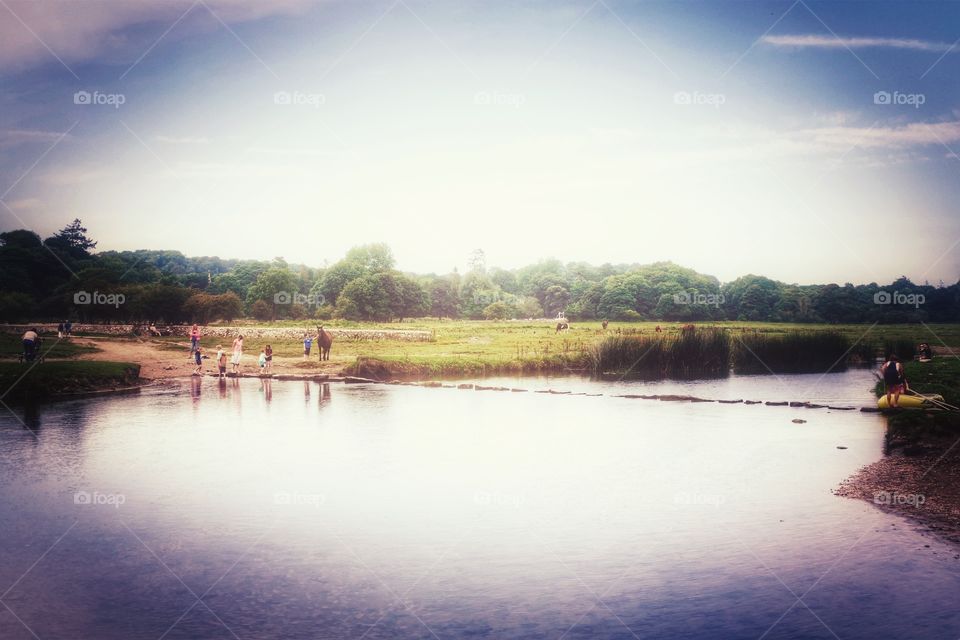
(62, 277)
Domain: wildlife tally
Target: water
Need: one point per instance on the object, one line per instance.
(249, 510)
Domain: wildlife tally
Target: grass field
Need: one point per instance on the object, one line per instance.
(11, 346)
(470, 347)
(26, 382)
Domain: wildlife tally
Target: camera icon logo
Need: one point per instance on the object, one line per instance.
(681, 298)
(682, 97)
(882, 297)
(82, 297)
(282, 297)
(82, 497)
(882, 97)
(282, 97)
(82, 97)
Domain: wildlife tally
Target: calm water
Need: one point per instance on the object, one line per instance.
(302, 511)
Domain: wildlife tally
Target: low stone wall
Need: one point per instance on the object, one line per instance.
(272, 333)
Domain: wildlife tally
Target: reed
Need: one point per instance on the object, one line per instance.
(699, 353)
(794, 352)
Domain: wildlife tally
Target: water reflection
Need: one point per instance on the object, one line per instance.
(494, 514)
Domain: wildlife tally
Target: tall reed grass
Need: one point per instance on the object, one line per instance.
(794, 352)
(701, 353)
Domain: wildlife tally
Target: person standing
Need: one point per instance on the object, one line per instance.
(60, 330)
(894, 380)
(262, 361)
(194, 339)
(68, 328)
(307, 343)
(237, 353)
(221, 361)
(269, 353)
(198, 360)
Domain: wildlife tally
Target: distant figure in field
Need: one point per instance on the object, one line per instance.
(659, 330)
(604, 325)
(269, 353)
(31, 344)
(324, 342)
(307, 343)
(893, 380)
(194, 338)
(687, 328)
(562, 326)
(924, 352)
(237, 353)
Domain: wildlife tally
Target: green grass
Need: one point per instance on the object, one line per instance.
(921, 431)
(703, 353)
(21, 382)
(468, 347)
(795, 352)
(11, 346)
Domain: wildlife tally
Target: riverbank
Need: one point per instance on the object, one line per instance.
(23, 382)
(919, 478)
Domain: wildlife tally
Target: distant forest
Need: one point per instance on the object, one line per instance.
(62, 277)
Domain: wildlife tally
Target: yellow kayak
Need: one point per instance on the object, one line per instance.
(910, 402)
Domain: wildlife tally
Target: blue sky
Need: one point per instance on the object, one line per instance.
(810, 142)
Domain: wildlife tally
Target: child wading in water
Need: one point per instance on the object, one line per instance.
(237, 354)
(269, 353)
(221, 361)
(262, 361)
(198, 359)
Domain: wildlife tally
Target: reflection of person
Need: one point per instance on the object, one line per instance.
(237, 353)
(893, 380)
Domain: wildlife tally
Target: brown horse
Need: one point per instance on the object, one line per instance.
(562, 326)
(324, 342)
(604, 325)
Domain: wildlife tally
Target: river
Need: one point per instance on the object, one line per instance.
(248, 509)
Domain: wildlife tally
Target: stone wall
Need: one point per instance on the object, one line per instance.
(271, 333)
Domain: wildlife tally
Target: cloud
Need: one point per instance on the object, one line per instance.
(14, 137)
(78, 31)
(183, 140)
(830, 42)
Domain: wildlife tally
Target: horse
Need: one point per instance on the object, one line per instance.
(324, 341)
(562, 326)
(604, 325)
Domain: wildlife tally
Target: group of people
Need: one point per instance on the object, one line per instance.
(65, 329)
(264, 362)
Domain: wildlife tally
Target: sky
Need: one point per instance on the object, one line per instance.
(810, 142)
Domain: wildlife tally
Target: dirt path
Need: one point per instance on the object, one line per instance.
(158, 361)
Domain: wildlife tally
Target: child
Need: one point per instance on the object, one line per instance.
(262, 361)
(198, 359)
(307, 343)
(237, 354)
(269, 353)
(221, 361)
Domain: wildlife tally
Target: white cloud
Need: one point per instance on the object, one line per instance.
(78, 31)
(830, 42)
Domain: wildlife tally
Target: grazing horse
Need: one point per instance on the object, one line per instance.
(562, 326)
(687, 328)
(324, 341)
(604, 325)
